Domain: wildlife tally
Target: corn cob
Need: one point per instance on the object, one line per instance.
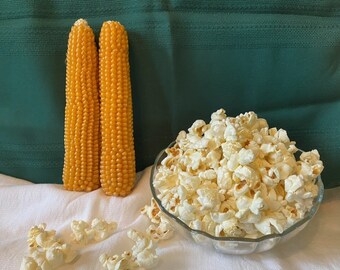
(82, 118)
(117, 163)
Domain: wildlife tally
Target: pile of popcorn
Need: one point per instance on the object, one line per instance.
(236, 177)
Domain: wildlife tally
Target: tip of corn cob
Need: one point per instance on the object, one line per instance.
(118, 37)
(117, 26)
(113, 22)
(80, 21)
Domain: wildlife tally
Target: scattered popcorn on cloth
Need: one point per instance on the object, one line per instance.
(143, 253)
(236, 176)
(46, 251)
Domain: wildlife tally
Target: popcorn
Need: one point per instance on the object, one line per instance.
(257, 203)
(196, 127)
(240, 189)
(208, 198)
(169, 201)
(40, 259)
(144, 249)
(118, 262)
(272, 201)
(284, 170)
(232, 163)
(208, 224)
(161, 228)
(218, 217)
(236, 176)
(147, 259)
(242, 203)
(143, 252)
(80, 231)
(55, 255)
(28, 263)
(263, 226)
(102, 229)
(188, 181)
(249, 120)
(281, 134)
(312, 157)
(245, 156)
(218, 115)
(39, 237)
(182, 193)
(310, 166)
(186, 211)
(276, 222)
(267, 148)
(152, 212)
(59, 254)
(195, 161)
(208, 174)
(292, 186)
(46, 251)
(196, 224)
(230, 148)
(167, 181)
(230, 133)
(229, 227)
(224, 180)
(246, 173)
(212, 159)
(161, 232)
(83, 233)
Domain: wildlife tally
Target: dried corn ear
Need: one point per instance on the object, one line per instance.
(82, 117)
(117, 164)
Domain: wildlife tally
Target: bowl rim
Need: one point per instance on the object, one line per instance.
(308, 216)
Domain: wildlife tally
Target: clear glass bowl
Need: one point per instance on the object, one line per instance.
(235, 245)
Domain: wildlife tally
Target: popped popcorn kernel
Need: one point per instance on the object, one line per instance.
(236, 176)
(39, 237)
(161, 229)
(144, 249)
(124, 261)
(28, 263)
(99, 229)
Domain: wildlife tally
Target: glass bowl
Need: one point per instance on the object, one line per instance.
(235, 245)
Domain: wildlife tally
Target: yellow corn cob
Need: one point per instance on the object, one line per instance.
(82, 118)
(117, 163)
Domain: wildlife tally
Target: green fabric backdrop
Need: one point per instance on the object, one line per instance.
(280, 59)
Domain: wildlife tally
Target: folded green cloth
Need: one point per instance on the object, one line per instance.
(280, 59)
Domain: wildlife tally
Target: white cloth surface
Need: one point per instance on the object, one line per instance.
(24, 204)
